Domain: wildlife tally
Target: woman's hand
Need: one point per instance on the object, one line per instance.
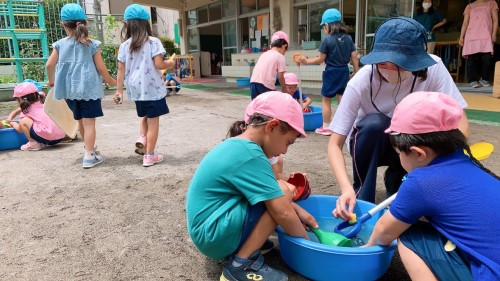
(345, 205)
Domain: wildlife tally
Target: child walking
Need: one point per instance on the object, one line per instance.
(234, 201)
(268, 65)
(36, 125)
(477, 36)
(77, 78)
(292, 82)
(456, 195)
(140, 61)
(336, 50)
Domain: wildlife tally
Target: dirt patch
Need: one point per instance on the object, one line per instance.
(121, 221)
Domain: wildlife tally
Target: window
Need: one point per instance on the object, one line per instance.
(228, 8)
(215, 12)
(202, 14)
(191, 17)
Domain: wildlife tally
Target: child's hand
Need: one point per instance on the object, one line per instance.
(303, 59)
(111, 83)
(118, 98)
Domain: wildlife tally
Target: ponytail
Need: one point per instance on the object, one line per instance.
(79, 30)
(27, 100)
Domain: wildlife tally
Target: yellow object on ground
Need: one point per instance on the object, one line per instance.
(481, 150)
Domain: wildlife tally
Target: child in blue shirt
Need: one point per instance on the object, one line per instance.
(336, 50)
(455, 193)
(171, 83)
(291, 83)
(77, 78)
(234, 201)
(140, 61)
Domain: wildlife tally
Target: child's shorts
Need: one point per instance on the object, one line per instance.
(334, 81)
(151, 108)
(39, 139)
(425, 241)
(85, 108)
(253, 215)
(257, 89)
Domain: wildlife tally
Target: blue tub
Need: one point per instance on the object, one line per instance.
(10, 139)
(322, 262)
(313, 119)
(243, 82)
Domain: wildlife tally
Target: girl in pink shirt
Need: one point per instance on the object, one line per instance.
(479, 32)
(34, 122)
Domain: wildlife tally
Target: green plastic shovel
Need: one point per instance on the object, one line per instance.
(331, 238)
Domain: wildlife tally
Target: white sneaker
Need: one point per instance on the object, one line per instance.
(484, 83)
(474, 84)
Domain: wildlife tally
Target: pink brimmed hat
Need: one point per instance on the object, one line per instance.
(425, 112)
(24, 88)
(280, 106)
(291, 79)
(280, 35)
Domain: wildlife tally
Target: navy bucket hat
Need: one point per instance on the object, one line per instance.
(135, 12)
(400, 41)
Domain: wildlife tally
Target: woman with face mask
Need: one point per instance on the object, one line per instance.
(431, 19)
(397, 66)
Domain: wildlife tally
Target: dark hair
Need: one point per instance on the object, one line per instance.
(137, 29)
(442, 143)
(337, 27)
(420, 9)
(256, 120)
(27, 100)
(279, 43)
(79, 29)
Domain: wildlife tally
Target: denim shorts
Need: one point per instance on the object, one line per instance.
(253, 215)
(39, 139)
(257, 89)
(85, 108)
(151, 108)
(425, 241)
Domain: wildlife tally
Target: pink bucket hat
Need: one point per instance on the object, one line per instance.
(291, 79)
(425, 112)
(280, 35)
(280, 106)
(24, 88)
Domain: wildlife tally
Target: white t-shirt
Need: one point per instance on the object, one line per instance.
(356, 102)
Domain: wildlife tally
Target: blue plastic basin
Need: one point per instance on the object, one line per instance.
(10, 139)
(313, 119)
(243, 82)
(322, 262)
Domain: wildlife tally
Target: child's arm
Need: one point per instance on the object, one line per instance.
(163, 64)
(464, 28)
(283, 213)
(494, 17)
(51, 66)
(307, 102)
(101, 68)
(281, 78)
(387, 229)
(13, 114)
(355, 62)
(304, 216)
(317, 60)
(120, 79)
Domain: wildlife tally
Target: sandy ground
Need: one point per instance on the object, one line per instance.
(121, 221)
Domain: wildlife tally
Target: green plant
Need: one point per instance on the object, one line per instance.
(109, 55)
(170, 45)
(7, 79)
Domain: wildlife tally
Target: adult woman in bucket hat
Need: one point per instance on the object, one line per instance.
(397, 66)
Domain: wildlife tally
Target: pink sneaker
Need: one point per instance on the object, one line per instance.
(323, 131)
(140, 143)
(31, 146)
(149, 160)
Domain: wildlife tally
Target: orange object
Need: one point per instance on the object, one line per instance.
(296, 57)
(307, 109)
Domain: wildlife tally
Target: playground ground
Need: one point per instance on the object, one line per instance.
(121, 221)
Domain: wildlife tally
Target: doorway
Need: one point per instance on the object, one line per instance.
(211, 49)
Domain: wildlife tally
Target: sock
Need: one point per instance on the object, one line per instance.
(326, 125)
(237, 261)
(89, 154)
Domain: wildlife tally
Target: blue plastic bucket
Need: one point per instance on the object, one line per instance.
(322, 262)
(10, 139)
(313, 119)
(243, 82)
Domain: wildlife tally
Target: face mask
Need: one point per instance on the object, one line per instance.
(426, 6)
(394, 76)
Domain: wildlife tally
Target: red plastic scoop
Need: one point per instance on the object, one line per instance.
(302, 185)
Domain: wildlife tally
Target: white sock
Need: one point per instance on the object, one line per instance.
(326, 125)
(89, 154)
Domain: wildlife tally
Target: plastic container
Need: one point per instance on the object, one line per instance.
(322, 262)
(243, 82)
(10, 139)
(313, 119)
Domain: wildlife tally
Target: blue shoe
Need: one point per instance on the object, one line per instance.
(89, 163)
(252, 268)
